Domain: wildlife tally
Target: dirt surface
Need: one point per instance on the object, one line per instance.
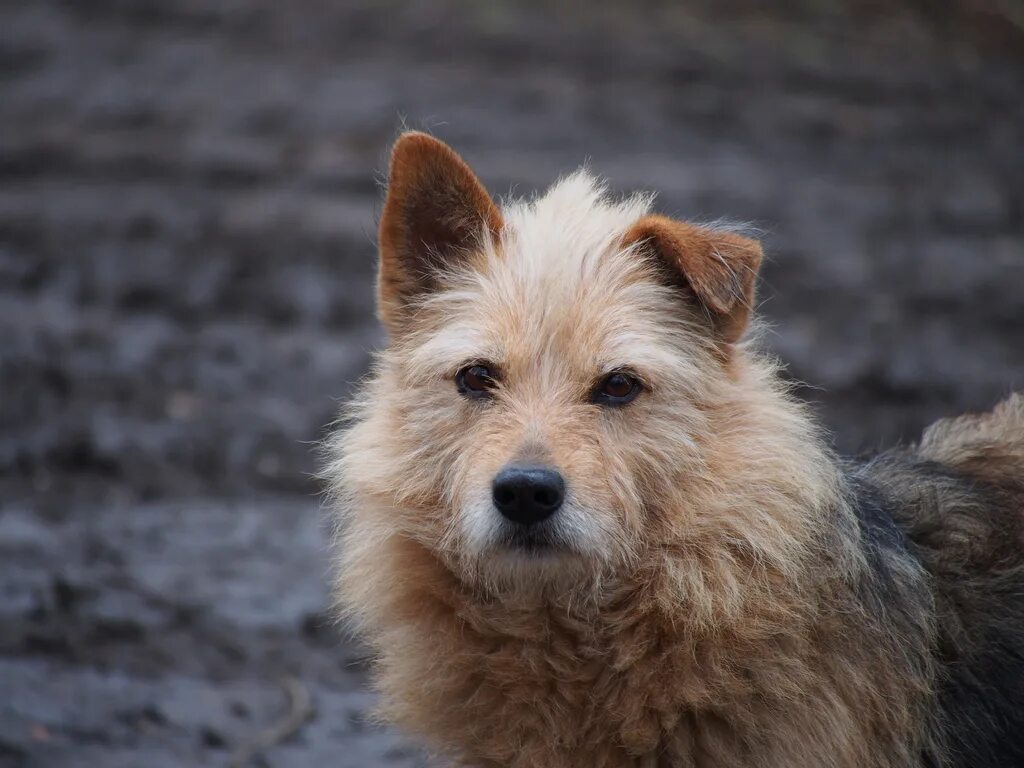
(188, 193)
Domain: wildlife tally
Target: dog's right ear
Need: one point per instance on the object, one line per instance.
(436, 211)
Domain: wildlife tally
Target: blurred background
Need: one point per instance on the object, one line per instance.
(188, 199)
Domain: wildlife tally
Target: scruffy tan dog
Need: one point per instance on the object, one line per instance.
(583, 524)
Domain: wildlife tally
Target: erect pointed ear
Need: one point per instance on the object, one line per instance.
(719, 267)
(436, 211)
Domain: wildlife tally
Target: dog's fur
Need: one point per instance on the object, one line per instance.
(720, 590)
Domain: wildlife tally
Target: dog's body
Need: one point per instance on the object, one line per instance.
(587, 526)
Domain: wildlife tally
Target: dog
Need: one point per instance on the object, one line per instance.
(583, 522)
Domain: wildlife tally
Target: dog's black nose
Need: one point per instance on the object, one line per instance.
(527, 495)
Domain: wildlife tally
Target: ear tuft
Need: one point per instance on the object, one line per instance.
(435, 213)
(720, 267)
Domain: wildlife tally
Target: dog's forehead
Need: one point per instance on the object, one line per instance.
(568, 232)
(561, 277)
(559, 294)
(578, 311)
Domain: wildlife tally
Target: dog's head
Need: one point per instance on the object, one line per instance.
(552, 373)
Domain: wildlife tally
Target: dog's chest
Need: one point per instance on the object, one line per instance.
(568, 690)
(562, 691)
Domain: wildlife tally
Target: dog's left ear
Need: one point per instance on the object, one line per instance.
(435, 213)
(719, 267)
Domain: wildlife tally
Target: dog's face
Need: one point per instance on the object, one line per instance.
(552, 367)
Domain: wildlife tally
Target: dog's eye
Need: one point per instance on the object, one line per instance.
(617, 388)
(475, 380)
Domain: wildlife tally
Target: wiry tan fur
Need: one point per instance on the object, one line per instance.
(707, 609)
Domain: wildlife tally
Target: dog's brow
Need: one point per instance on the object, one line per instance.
(637, 352)
(451, 347)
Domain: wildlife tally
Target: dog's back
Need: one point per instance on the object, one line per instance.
(959, 499)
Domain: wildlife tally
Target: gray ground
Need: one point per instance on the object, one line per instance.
(187, 200)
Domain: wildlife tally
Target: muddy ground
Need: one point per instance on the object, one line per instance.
(187, 201)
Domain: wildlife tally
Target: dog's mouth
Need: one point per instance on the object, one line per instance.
(535, 541)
